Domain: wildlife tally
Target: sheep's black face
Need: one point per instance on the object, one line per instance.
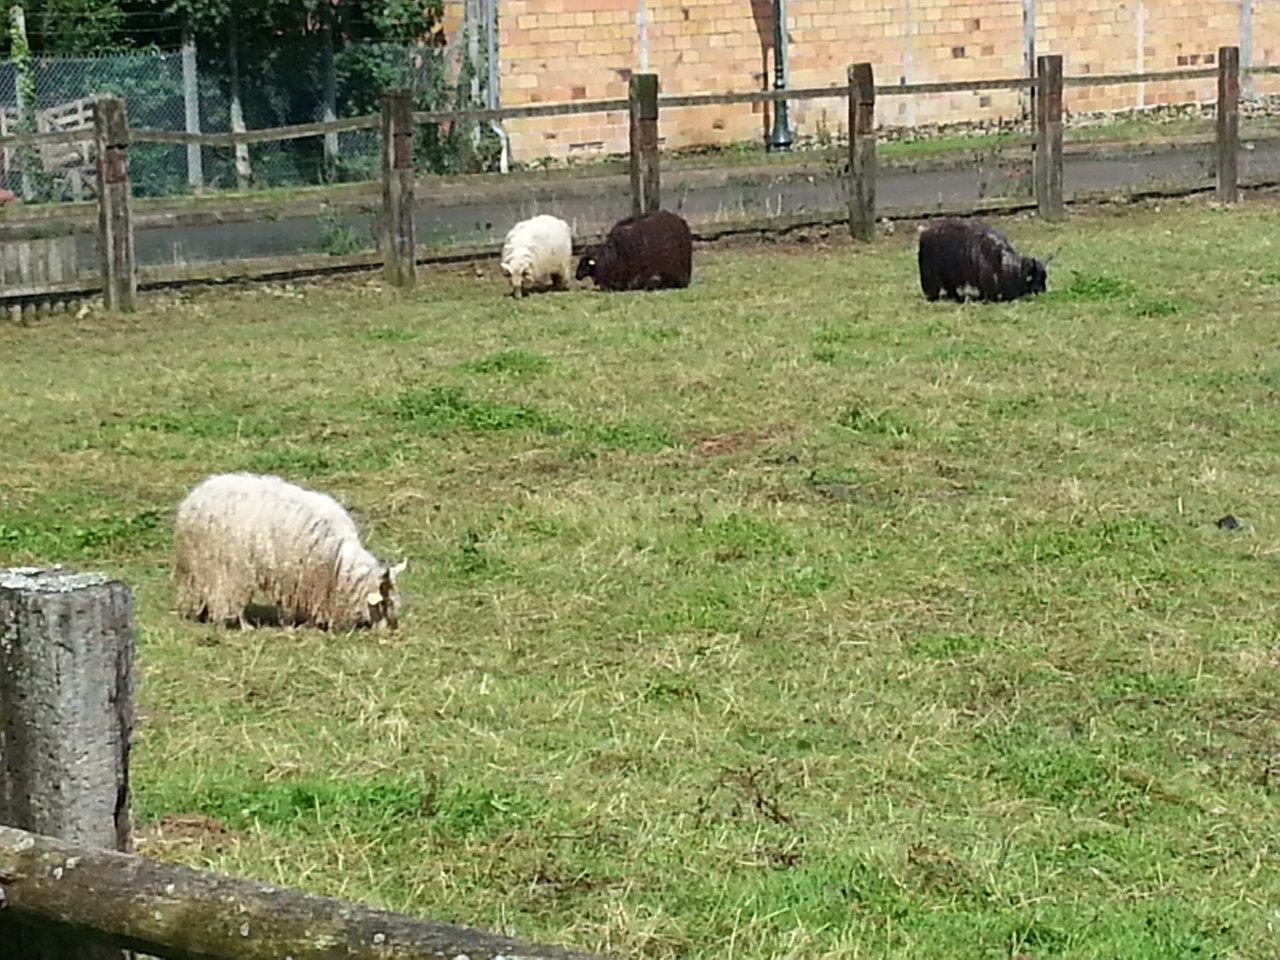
(587, 265)
(1033, 275)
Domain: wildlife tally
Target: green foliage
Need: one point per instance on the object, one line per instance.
(440, 408)
(340, 239)
(40, 539)
(80, 27)
(367, 807)
(635, 437)
(1097, 286)
(445, 408)
(294, 804)
(20, 54)
(473, 560)
(1087, 287)
(514, 362)
(884, 422)
(407, 21)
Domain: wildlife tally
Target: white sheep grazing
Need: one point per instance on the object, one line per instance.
(538, 254)
(238, 536)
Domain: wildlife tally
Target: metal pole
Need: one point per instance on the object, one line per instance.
(191, 108)
(780, 138)
(491, 90)
(642, 36)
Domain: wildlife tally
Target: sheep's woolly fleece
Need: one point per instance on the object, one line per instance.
(240, 536)
(537, 254)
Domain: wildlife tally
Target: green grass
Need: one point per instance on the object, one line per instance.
(785, 616)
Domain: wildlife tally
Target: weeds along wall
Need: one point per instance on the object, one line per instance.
(556, 50)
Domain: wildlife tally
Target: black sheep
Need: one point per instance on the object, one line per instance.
(646, 252)
(958, 256)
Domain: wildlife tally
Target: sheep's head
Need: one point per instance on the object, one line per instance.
(1033, 275)
(518, 271)
(384, 602)
(587, 265)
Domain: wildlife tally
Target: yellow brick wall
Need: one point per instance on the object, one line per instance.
(558, 50)
(1266, 44)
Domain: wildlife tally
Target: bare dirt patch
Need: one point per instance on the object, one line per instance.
(734, 441)
(186, 830)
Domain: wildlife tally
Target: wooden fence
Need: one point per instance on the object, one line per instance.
(398, 253)
(69, 888)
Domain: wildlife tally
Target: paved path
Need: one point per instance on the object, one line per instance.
(487, 222)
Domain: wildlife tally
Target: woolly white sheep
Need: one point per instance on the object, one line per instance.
(240, 535)
(538, 254)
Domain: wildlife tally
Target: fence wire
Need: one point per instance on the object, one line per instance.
(288, 87)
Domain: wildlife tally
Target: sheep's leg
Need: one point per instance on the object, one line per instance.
(953, 293)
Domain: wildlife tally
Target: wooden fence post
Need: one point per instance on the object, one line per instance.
(1228, 175)
(397, 188)
(1048, 163)
(645, 181)
(115, 222)
(862, 152)
(66, 719)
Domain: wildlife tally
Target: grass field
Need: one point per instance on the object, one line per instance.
(785, 616)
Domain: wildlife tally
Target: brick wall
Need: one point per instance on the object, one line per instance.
(557, 50)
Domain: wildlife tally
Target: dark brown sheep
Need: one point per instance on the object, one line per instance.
(648, 252)
(960, 257)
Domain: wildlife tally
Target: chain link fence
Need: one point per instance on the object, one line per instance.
(286, 87)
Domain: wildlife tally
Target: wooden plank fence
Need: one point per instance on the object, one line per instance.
(69, 888)
(644, 106)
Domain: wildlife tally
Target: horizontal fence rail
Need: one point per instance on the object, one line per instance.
(520, 113)
(1103, 79)
(134, 903)
(266, 135)
(570, 108)
(48, 138)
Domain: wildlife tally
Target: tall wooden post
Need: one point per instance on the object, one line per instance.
(862, 152)
(397, 188)
(1048, 164)
(115, 222)
(1228, 124)
(645, 181)
(66, 719)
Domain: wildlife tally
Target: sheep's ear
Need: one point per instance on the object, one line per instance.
(399, 568)
(373, 599)
(506, 269)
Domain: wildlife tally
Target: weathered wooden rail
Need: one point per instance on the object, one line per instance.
(644, 106)
(69, 888)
